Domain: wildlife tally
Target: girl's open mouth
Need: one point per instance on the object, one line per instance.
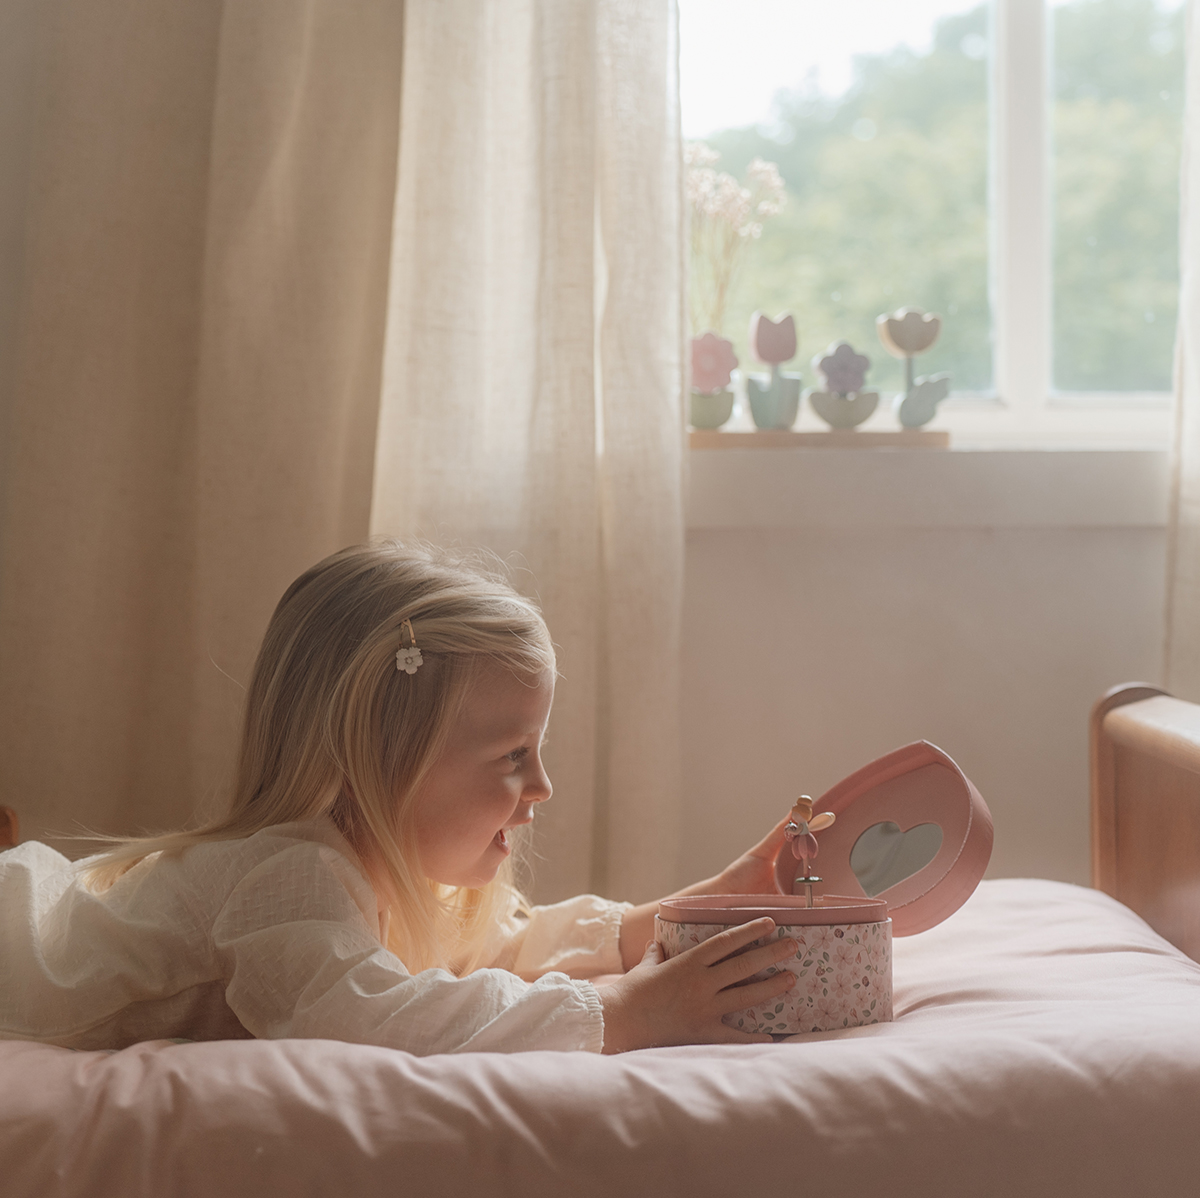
(500, 840)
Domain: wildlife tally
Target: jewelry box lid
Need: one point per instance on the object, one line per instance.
(784, 909)
(911, 829)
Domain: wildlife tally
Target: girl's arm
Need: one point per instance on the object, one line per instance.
(752, 873)
(579, 937)
(295, 945)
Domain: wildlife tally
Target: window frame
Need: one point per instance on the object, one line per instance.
(1025, 408)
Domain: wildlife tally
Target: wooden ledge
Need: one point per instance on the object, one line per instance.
(917, 438)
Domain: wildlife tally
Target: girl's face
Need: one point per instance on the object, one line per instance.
(487, 780)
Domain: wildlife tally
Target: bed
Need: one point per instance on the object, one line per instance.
(1046, 1041)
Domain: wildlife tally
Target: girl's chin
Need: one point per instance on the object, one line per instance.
(482, 871)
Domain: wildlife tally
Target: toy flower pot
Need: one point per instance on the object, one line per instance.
(710, 409)
(911, 839)
(843, 410)
(774, 402)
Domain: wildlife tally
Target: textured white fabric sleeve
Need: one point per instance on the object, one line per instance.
(303, 959)
(580, 937)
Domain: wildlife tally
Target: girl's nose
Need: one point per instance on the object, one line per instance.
(538, 789)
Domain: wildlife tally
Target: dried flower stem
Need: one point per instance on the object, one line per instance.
(726, 216)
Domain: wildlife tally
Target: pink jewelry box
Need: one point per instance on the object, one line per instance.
(910, 843)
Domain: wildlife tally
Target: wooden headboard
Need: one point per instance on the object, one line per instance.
(1145, 769)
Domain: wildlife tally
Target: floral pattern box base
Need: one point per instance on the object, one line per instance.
(903, 843)
(843, 970)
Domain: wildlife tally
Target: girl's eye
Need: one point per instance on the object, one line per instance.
(518, 755)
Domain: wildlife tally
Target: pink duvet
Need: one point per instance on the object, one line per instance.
(1046, 1042)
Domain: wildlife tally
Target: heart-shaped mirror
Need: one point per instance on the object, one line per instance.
(910, 829)
(884, 855)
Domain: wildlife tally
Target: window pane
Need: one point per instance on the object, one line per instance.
(876, 112)
(1118, 104)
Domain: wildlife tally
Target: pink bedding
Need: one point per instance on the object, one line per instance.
(1046, 1042)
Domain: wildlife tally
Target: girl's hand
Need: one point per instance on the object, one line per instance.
(752, 873)
(681, 1001)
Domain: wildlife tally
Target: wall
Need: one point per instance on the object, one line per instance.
(840, 603)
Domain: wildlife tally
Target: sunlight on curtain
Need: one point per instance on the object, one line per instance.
(533, 379)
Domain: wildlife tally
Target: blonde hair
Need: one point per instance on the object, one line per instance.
(333, 728)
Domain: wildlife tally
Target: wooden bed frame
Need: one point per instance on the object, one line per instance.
(1145, 769)
(1145, 772)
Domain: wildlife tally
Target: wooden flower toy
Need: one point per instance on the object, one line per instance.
(904, 334)
(713, 362)
(844, 402)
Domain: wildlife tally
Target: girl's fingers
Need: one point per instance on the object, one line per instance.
(738, 998)
(653, 954)
(744, 965)
(769, 845)
(717, 947)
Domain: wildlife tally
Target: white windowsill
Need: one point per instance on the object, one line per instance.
(913, 488)
(1064, 421)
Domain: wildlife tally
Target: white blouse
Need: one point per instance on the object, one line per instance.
(272, 936)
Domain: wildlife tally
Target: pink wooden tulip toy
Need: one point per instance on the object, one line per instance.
(774, 402)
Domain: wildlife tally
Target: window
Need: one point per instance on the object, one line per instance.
(1011, 165)
(1115, 134)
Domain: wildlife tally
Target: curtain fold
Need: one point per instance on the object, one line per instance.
(190, 377)
(533, 377)
(305, 121)
(1181, 666)
(98, 403)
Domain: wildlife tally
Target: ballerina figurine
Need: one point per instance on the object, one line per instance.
(800, 832)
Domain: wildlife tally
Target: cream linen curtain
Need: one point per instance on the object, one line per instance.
(1182, 657)
(198, 211)
(195, 210)
(532, 383)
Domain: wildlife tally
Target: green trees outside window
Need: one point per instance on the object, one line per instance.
(888, 195)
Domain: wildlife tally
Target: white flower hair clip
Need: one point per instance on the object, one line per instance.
(409, 660)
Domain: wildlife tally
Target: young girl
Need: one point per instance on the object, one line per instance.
(360, 888)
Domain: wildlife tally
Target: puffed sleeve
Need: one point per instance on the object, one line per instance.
(300, 950)
(580, 937)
